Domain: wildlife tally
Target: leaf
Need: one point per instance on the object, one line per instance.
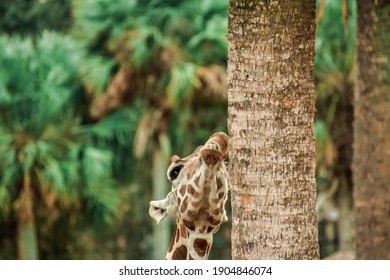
(97, 164)
(40, 81)
(102, 203)
(94, 17)
(96, 72)
(54, 176)
(5, 199)
(10, 169)
(119, 126)
(182, 83)
(29, 153)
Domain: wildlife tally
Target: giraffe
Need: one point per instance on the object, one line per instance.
(197, 199)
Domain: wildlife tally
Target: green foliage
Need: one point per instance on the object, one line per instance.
(34, 16)
(41, 131)
(335, 42)
(334, 63)
(83, 171)
(37, 81)
(198, 28)
(182, 82)
(335, 50)
(96, 72)
(164, 44)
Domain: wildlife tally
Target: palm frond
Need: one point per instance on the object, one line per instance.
(102, 203)
(95, 73)
(118, 126)
(39, 78)
(102, 17)
(96, 164)
(183, 82)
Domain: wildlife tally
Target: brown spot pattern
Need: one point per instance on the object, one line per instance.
(184, 204)
(183, 231)
(190, 189)
(180, 253)
(189, 225)
(196, 194)
(196, 180)
(191, 214)
(182, 190)
(200, 246)
(215, 200)
(211, 156)
(213, 221)
(219, 183)
(210, 229)
(177, 235)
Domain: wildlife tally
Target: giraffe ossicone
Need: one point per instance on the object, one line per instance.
(200, 185)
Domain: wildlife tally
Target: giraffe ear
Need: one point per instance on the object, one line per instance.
(215, 149)
(222, 139)
(211, 156)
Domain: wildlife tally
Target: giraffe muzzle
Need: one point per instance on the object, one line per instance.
(158, 209)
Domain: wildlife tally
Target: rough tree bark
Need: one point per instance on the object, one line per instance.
(271, 126)
(371, 161)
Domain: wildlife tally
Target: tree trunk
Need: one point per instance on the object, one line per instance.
(26, 233)
(271, 126)
(160, 188)
(371, 161)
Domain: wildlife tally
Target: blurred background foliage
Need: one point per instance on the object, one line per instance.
(334, 79)
(95, 96)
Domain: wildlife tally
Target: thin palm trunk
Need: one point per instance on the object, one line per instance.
(26, 236)
(271, 126)
(160, 189)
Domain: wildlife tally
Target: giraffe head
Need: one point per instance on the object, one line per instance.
(203, 159)
(197, 199)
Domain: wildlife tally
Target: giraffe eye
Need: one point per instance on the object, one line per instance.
(175, 172)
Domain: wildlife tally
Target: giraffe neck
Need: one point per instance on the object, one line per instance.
(189, 245)
(200, 206)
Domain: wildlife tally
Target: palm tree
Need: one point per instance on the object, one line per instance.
(371, 158)
(271, 127)
(46, 155)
